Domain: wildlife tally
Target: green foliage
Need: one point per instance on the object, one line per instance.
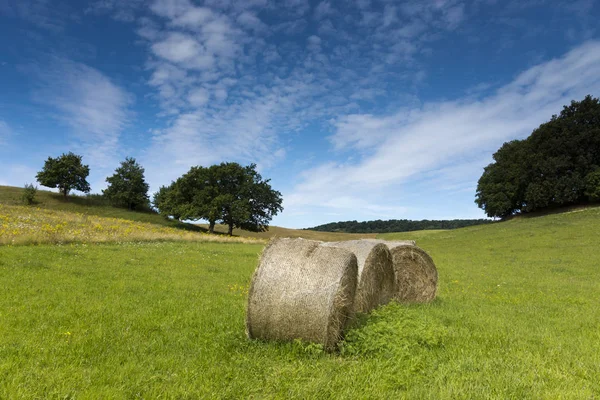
(127, 187)
(516, 317)
(245, 199)
(592, 185)
(549, 168)
(29, 192)
(229, 193)
(394, 331)
(396, 225)
(163, 200)
(502, 186)
(65, 173)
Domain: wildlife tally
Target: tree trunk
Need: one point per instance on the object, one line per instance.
(211, 227)
(230, 231)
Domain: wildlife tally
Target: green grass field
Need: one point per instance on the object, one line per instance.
(517, 317)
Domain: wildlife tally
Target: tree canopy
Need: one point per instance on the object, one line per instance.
(228, 193)
(396, 225)
(65, 173)
(556, 165)
(127, 187)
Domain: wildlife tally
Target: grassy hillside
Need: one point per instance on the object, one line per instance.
(54, 219)
(43, 222)
(275, 231)
(516, 316)
(92, 205)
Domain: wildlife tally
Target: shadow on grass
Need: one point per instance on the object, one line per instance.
(359, 320)
(95, 204)
(551, 210)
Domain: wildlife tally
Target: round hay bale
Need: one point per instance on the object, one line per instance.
(416, 275)
(375, 273)
(301, 290)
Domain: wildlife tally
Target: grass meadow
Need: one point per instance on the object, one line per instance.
(517, 317)
(23, 225)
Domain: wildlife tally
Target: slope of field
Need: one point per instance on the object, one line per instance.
(516, 317)
(52, 207)
(92, 205)
(276, 231)
(54, 219)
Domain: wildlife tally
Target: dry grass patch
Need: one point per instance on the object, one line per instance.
(21, 225)
(279, 232)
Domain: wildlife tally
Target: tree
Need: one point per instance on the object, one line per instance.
(501, 188)
(592, 185)
(228, 193)
(127, 187)
(29, 192)
(550, 168)
(65, 173)
(164, 201)
(246, 200)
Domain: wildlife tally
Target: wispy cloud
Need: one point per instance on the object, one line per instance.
(89, 103)
(46, 14)
(5, 131)
(17, 175)
(445, 143)
(231, 88)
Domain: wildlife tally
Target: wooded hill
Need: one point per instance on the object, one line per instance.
(396, 225)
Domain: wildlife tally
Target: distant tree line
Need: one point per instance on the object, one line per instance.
(396, 225)
(227, 193)
(557, 165)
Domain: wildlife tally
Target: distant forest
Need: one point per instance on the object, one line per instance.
(396, 225)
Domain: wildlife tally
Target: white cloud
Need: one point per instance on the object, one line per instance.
(296, 7)
(251, 21)
(171, 8)
(182, 49)
(198, 97)
(454, 16)
(41, 13)
(194, 17)
(389, 15)
(5, 131)
(314, 43)
(323, 9)
(221, 94)
(449, 141)
(17, 175)
(86, 100)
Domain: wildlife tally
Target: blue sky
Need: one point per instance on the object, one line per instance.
(362, 109)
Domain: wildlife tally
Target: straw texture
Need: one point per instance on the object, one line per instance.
(416, 274)
(302, 290)
(375, 273)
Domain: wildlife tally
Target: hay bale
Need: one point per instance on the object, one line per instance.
(416, 274)
(375, 273)
(301, 290)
